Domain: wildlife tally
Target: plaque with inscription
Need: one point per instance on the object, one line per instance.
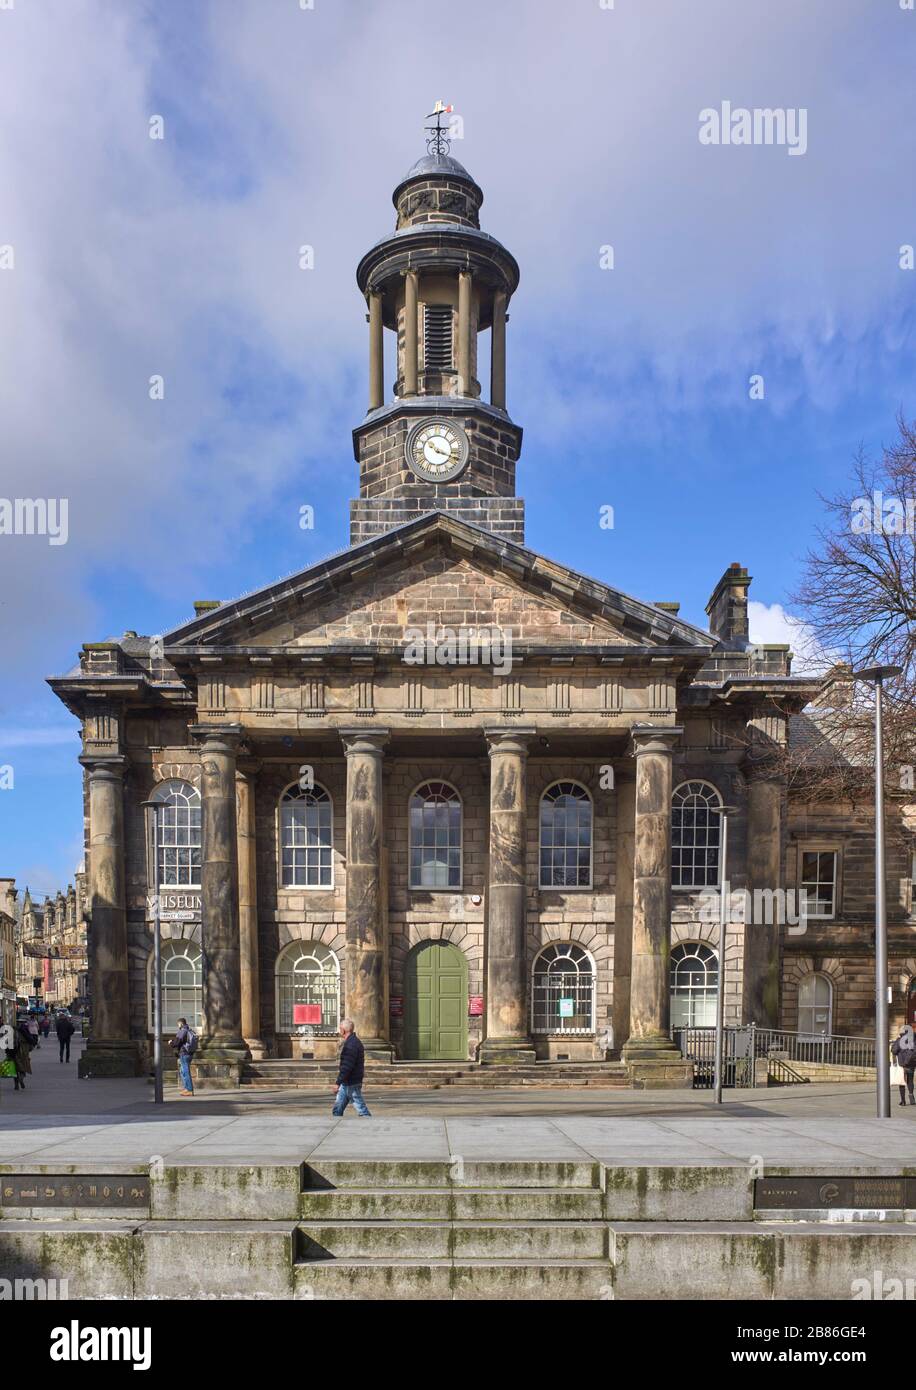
(73, 1190)
(813, 1193)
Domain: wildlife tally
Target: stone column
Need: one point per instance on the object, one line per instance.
(222, 1048)
(367, 918)
(411, 334)
(110, 1050)
(245, 783)
(376, 352)
(464, 332)
(764, 872)
(498, 352)
(623, 905)
(651, 1056)
(508, 1038)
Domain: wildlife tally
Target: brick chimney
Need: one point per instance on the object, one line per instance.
(727, 608)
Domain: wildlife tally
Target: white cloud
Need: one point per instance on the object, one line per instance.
(770, 623)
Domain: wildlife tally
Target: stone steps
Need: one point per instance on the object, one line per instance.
(456, 1229)
(291, 1074)
(452, 1204)
(454, 1240)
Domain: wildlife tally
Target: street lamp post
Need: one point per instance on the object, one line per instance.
(149, 808)
(877, 675)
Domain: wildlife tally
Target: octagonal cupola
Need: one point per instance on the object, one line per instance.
(438, 284)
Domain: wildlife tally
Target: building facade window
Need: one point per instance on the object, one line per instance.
(694, 983)
(306, 838)
(178, 834)
(565, 841)
(182, 986)
(815, 1006)
(435, 836)
(695, 835)
(563, 990)
(817, 879)
(308, 974)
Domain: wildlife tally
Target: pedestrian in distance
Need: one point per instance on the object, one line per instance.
(350, 1070)
(185, 1042)
(32, 1029)
(22, 1049)
(44, 1026)
(903, 1051)
(65, 1030)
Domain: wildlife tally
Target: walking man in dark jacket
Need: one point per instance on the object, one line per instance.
(350, 1070)
(65, 1031)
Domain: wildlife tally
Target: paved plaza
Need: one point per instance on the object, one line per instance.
(59, 1119)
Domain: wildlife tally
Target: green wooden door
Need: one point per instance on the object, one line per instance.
(436, 1003)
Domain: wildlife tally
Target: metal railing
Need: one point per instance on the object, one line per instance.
(742, 1047)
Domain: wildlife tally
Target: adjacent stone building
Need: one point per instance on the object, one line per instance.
(50, 952)
(444, 784)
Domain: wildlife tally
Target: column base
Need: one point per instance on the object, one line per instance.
(378, 1050)
(506, 1052)
(655, 1064)
(105, 1058)
(257, 1049)
(218, 1064)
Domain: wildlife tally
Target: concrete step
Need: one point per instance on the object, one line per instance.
(645, 1260)
(457, 1172)
(442, 1280)
(439, 1240)
(452, 1204)
(292, 1074)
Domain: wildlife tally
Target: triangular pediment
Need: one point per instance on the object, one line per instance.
(435, 570)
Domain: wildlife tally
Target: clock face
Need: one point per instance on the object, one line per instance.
(437, 450)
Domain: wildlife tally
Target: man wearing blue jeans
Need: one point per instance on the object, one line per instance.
(184, 1040)
(350, 1071)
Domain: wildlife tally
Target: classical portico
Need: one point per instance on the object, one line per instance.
(437, 782)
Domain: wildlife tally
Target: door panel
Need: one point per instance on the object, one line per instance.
(436, 1003)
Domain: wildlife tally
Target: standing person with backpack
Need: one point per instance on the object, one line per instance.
(185, 1040)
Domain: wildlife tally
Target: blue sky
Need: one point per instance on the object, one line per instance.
(285, 126)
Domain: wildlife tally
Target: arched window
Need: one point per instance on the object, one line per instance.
(815, 1006)
(435, 836)
(306, 838)
(182, 985)
(563, 991)
(566, 837)
(177, 834)
(308, 974)
(694, 982)
(695, 835)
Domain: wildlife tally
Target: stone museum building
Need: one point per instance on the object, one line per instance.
(451, 787)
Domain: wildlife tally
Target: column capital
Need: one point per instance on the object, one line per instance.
(217, 738)
(370, 741)
(510, 740)
(654, 738)
(113, 765)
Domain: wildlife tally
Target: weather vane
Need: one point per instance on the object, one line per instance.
(438, 142)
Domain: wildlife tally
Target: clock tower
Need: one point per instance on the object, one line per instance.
(438, 283)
